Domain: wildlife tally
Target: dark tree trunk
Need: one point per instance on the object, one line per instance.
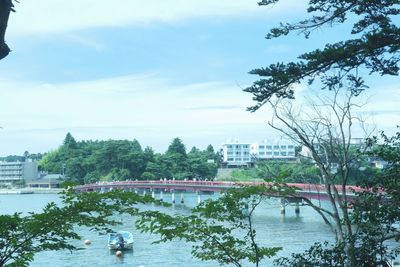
(5, 8)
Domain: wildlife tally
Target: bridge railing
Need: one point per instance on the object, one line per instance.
(302, 187)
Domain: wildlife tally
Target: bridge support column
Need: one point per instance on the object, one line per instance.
(283, 206)
(198, 197)
(283, 210)
(152, 193)
(182, 199)
(144, 192)
(297, 209)
(161, 195)
(173, 197)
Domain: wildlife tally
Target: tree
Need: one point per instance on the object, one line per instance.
(375, 216)
(363, 223)
(177, 147)
(326, 131)
(6, 6)
(69, 142)
(21, 237)
(220, 230)
(176, 159)
(375, 47)
(198, 165)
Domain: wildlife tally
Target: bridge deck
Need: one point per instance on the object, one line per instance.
(307, 190)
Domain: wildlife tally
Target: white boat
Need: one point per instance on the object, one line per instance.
(121, 240)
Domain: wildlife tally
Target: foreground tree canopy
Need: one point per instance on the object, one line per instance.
(375, 47)
(6, 6)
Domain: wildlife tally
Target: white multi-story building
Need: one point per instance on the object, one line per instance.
(274, 150)
(237, 154)
(11, 172)
(322, 150)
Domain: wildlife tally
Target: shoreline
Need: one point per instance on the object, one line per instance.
(23, 191)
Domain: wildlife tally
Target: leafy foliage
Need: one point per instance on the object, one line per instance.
(220, 230)
(292, 172)
(375, 46)
(6, 6)
(26, 156)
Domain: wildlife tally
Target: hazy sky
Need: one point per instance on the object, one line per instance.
(150, 70)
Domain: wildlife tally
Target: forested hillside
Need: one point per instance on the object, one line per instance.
(92, 161)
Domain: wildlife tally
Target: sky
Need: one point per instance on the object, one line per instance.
(150, 70)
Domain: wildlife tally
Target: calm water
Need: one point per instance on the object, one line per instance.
(293, 233)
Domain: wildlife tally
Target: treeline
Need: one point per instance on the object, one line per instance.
(111, 160)
(303, 171)
(26, 157)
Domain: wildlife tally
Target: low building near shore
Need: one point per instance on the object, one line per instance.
(47, 181)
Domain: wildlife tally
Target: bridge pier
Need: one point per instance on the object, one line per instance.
(144, 192)
(152, 193)
(173, 197)
(283, 206)
(283, 209)
(297, 209)
(182, 199)
(161, 195)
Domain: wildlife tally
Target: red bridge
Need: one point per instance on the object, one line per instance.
(314, 191)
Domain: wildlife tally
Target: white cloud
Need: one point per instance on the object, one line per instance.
(36, 116)
(85, 41)
(382, 108)
(55, 16)
(137, 106)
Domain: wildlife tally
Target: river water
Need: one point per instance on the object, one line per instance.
(293, 233)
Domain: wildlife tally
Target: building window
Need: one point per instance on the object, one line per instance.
(283, 147)
(276, 147)
(291, 153)
(238, 159)
(245, 146)
(290, 147)
(261, 147)
(245, 153)
(237, 146)
(230, 159)
(269, 153)
(283, 154)
(269, 147)
(230, 153)
(262, 153)
(276, 153)
(229, 146)
(238, 153)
